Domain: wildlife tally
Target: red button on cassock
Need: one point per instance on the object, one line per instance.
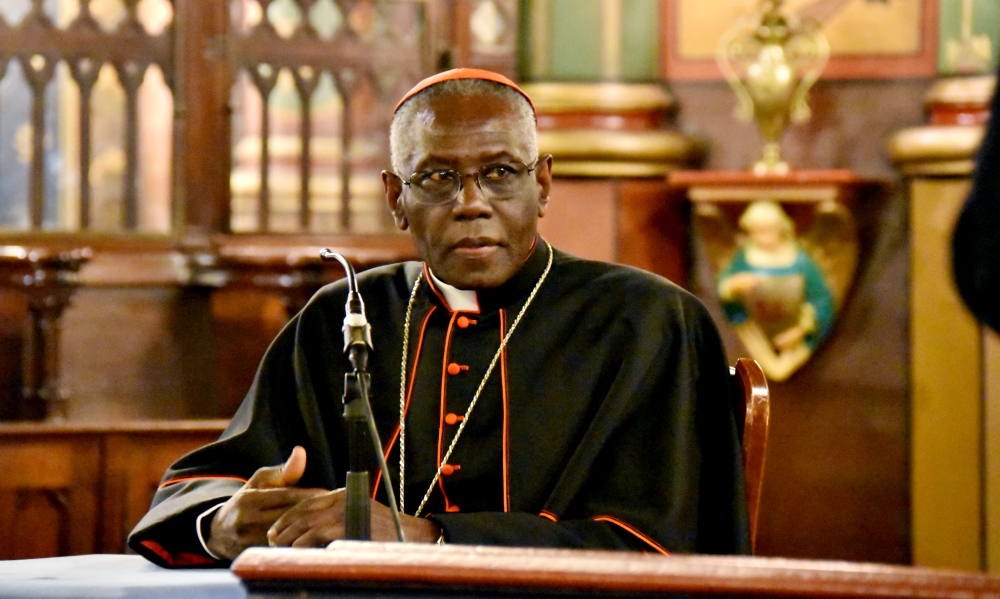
(449, 469)
(452, 508)
(453, 419)
(454, 368)
(463, 322)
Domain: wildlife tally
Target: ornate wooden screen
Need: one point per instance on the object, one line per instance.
(149, 115)
(300, 169)
(87, 44)
(311, 161)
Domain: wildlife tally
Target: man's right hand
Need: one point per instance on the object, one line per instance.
(244, 520)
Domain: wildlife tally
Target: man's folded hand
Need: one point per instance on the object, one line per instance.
(244, 520)
(317, 521)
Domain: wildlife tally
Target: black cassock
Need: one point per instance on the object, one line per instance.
(605, 424)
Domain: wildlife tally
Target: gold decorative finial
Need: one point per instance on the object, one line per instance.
(771, 59)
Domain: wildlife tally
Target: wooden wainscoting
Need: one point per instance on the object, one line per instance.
(70, 489)
(49, 495)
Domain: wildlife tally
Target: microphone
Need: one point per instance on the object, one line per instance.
(358, 413)
(357, 331)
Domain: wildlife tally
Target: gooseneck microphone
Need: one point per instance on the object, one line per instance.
(358, 413)
(357, 331)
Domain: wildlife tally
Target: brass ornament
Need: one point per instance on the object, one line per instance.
(771, 59)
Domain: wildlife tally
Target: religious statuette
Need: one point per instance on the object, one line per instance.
(771, 59)
(780, 292)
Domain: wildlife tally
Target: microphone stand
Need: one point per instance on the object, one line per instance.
(358, 414)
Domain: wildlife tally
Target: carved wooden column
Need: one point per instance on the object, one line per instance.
(202, 83)
(46, 279)
(954, 361)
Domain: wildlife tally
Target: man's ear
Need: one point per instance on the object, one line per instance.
(543, 176)
(393, 196)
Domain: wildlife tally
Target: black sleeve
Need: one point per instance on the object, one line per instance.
(976, 241)
(518, 529)
(280, 412)
(167, 535)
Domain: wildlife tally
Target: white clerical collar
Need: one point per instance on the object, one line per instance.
(459, 300)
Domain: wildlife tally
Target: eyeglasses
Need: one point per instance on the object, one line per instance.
(440, 186)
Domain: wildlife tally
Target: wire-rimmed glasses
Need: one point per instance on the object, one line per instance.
(497, 180)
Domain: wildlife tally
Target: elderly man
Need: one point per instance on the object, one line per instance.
(546, 400)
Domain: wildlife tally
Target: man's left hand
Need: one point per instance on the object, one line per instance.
(317, 521)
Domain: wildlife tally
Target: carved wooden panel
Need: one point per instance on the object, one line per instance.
(49, 496)
(78, 489)
(485, 34)
(134, 465)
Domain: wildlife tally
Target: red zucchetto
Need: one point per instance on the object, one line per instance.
(462, 74)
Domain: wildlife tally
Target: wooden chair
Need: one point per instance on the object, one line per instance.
(753, 412)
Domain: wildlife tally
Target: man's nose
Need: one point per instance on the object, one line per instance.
(471, 199)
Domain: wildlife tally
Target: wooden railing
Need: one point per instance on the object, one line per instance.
(45, 272)
(372, 51)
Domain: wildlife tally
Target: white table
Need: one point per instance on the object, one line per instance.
(107, 576)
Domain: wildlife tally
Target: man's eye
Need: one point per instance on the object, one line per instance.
(437, 177)
(441, 176)
(499, 172)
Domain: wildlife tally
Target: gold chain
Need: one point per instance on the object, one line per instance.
(475, 398)
(402, 393)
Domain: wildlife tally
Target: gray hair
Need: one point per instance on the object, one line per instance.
(402, 142)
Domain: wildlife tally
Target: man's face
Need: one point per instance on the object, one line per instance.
(473, 241)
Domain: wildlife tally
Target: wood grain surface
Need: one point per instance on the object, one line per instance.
(452, 566)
